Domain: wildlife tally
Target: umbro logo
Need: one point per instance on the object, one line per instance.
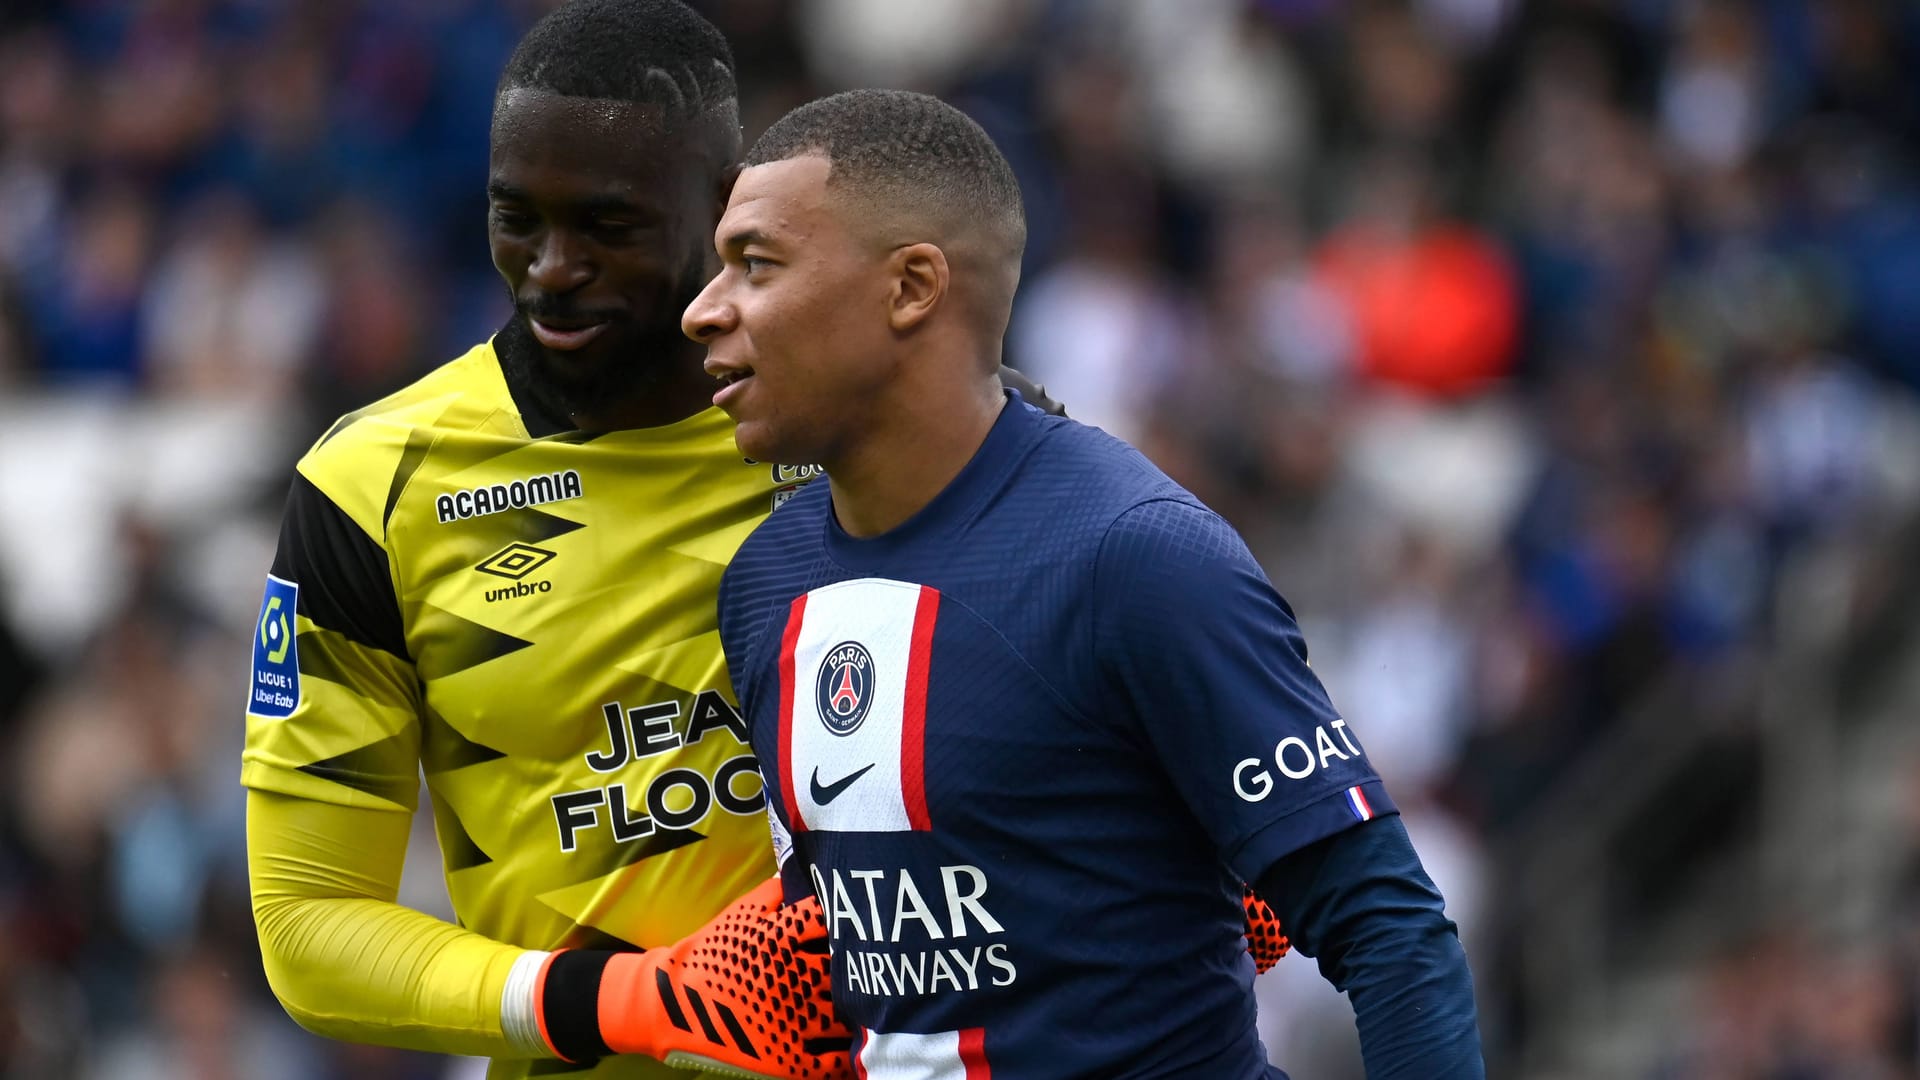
(826, 793)
(515, 561)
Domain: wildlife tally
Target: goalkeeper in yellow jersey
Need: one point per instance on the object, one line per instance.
(505, 576)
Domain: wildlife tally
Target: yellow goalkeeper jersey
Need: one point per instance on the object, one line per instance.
(531, 622)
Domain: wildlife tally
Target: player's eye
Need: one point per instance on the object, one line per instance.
(614, 230)
(512, 220)
(754, 264)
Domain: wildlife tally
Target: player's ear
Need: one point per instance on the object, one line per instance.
(920, 280)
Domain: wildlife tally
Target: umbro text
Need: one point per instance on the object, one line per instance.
(518, 589)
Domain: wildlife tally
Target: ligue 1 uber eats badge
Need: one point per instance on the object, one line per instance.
(276, 664)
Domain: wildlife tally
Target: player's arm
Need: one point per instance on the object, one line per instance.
(1360, 902)
(748, 992)
(345, 959)
(1211, 664)
(331, 761)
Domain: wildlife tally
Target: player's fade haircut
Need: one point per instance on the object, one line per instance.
(658, 53)
(909, 152)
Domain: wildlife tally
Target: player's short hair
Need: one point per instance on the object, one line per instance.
(658, 53)
(911, 150)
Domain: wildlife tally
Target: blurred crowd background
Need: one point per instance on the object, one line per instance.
(1557, 358)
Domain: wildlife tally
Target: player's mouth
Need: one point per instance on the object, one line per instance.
(733, 380)
(565, 335)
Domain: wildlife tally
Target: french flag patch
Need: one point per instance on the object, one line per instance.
(1357, 802)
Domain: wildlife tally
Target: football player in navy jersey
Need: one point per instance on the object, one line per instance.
(1028, 712)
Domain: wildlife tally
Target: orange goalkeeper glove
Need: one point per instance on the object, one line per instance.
(748, 995)
(1265, 940)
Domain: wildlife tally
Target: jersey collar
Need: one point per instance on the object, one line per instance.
(1013, 434)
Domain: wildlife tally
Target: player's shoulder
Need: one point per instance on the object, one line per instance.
(464, 393)
(1092, 478)
(786, 534)
(1124, 507)
(354, 460)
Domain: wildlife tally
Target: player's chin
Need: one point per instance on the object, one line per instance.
(754, 439)
(762, 440)
(583, 367)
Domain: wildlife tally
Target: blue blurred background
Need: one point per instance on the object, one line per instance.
(1557, 358)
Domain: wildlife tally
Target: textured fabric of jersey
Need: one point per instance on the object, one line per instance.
(1026, 747)
(530, 622)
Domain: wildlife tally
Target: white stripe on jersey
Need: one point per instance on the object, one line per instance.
(871, 776)
(942, 1055)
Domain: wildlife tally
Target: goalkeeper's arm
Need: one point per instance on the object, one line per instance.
(349, 962)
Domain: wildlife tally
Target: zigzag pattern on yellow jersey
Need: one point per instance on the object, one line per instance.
(562, 685)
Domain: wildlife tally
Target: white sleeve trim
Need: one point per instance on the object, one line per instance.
(520, 1003)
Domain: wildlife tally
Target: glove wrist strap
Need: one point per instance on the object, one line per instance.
(569, 1004)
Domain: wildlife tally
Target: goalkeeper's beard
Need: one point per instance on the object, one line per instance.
(634, 363)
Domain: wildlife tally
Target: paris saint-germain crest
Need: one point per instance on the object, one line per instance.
(844, 688)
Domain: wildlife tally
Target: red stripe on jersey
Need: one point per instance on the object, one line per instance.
(913, 720)
(859, 1066)
(796, 615)
(973, 1053)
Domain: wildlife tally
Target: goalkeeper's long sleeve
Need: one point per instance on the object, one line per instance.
(748, 992)
(349, 962)
(1360, 902)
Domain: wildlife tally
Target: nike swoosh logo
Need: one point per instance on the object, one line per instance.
(826, 793)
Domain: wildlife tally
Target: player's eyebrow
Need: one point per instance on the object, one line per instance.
(505, 192)
(735, 242)
(591, 204)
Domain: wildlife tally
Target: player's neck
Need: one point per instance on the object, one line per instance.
(911, 457)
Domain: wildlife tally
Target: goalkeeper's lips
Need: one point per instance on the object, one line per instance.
(560, 337)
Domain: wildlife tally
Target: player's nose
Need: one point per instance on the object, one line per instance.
(710, 315)
(560, 264)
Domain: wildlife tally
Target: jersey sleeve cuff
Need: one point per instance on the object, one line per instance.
(1333, 813)
(520, 1018)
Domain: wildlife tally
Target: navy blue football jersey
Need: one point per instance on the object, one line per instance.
(1023, 748)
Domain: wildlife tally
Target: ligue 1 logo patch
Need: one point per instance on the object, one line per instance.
(843, 690)
(276, 661)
